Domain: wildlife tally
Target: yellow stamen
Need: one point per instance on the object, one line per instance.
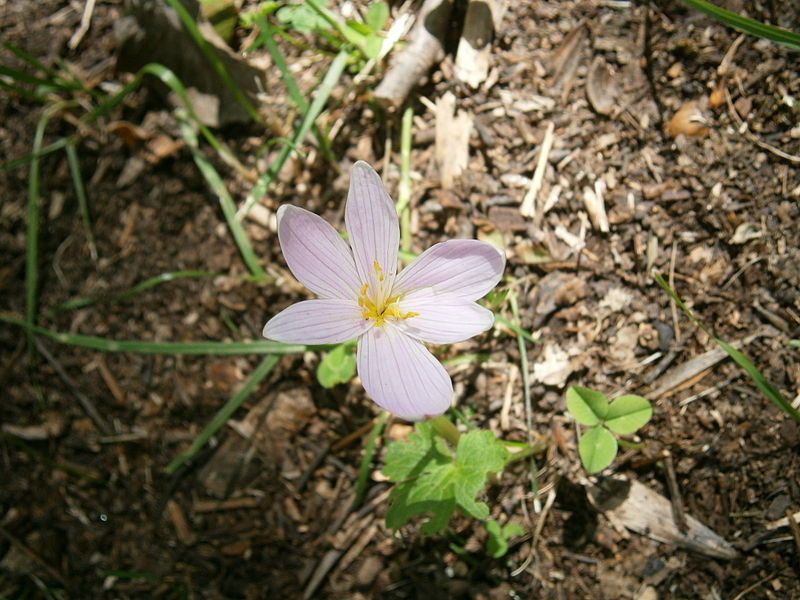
(378, 270)
(378, 310)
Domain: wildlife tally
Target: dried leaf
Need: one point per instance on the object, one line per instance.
(601, 87)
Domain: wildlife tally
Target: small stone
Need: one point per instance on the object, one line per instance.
(368, 571)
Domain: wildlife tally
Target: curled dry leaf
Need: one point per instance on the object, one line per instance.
(601, 87)
(689, 121)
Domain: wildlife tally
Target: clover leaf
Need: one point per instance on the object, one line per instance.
(624, 416)
(628, 414)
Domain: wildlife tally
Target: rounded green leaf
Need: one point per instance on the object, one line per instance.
(589, 407)
(628, 414)
(337, 366)
(597, 449)
(377, 15)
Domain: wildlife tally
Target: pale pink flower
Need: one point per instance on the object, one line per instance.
(361, 295)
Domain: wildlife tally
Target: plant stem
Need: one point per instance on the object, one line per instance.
(404, 190)
(444, 427)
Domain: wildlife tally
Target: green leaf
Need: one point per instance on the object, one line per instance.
(628, 413)
(597, 448)
(373, 45)
(409, 458)
(497, 541)
(303, 18)
(434, 482)
(764, 386)
(337, 366)
(589, 407)
(495, 298)
(751, 26)
(478, 454)
(377, 15)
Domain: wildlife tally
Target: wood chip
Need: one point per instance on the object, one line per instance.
(530, 207)
(595, 205)
(475, 46)
(452, 139)
(649, 513)
(207, 506)
(185, 535)
(601, 88)
(692, 368)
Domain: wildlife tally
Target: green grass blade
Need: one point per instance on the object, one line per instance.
(29, 58)
(225, 413)
(142, 347)
(366, 460)
(15, 163)
(526, 389)
(766, 388)
(321, 96)
(226, 202)
(137, 289)
(747, 25)
(80, 193)
(267, 38)
(524, 334)
(171, 80)
(23, 77)
(32, 230)
(24, 92)
(54, 78)
(213, 59)
(795, 343)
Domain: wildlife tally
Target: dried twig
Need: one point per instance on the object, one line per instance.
(675, 494)
(86, 22)
(551, 496)
(672, 305)
(425, 48)
(87, 404)
(530, 208)
(795, 528)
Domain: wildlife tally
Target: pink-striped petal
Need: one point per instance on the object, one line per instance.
(443, 319)
(467, 269)
(372, 225)
(317, 256)
(401, 375)
(328, 321)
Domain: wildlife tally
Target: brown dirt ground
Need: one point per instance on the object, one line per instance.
(90, 514)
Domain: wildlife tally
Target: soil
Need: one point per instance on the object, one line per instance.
(87, 509)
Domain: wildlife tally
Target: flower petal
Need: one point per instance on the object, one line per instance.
(316, 254)
(328, 321)
(467, 269)
(444, 320)
(401, 375)
(372, 225)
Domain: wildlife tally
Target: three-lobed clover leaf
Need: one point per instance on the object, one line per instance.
(433, 481)
(624, 416)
